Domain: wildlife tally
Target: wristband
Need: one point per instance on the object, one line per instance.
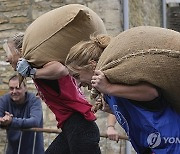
(33, 72)
(110, 126)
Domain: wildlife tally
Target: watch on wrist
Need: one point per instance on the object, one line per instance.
(33, 72)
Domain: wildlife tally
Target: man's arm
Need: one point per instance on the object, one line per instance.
(5, 116)
(35, 118)
(6, 120)
(2, 111)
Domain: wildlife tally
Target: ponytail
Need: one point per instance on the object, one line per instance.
(84, 51)
(101, 40)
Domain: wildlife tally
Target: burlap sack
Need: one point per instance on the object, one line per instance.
(145, 53)
(50, 37)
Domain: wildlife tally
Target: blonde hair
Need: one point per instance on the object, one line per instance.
(84, 51)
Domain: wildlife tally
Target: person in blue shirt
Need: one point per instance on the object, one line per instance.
(151, 124)
(20, 109)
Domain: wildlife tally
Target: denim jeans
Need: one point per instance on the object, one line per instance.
(78, 136)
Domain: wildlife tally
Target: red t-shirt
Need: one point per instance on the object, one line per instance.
(64, 98)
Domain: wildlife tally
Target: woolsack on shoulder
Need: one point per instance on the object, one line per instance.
(50, 37)
(145, 54)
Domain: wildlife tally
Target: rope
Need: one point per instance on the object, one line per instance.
(166, 52)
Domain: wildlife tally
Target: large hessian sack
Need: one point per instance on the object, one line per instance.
(145, 53)
(51, 36)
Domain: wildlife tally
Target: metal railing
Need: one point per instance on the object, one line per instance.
(49, 131)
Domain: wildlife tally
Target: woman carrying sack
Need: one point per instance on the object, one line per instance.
(141, 109)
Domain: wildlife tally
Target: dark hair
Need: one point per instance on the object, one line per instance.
(16, 77)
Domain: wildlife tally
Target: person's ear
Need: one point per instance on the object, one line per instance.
(93, 63)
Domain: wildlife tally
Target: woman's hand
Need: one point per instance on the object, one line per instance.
(100, 82)
(112, 133)
(138, 92)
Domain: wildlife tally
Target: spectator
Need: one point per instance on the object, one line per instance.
(21, 109)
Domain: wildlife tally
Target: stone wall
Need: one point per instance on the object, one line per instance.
(16, 15)
(144, 12)
(173, 17)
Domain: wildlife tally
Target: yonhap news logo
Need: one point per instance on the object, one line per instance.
(155, 139)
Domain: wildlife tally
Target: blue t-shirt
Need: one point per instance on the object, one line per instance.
(156, 128)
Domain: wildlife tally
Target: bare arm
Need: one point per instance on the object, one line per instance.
(52, 70)
(140, 92)
(111, 131)
(111, 120)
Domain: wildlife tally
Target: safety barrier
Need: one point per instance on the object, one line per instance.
(48, 131)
